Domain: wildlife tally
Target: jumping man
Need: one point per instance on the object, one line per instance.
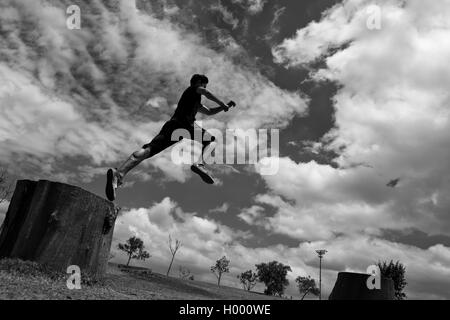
(183, 118)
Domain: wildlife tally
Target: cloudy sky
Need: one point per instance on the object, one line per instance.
(359, 100)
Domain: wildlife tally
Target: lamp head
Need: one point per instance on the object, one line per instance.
(321, 252)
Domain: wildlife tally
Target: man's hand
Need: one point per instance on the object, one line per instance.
(224, 106)
(213, 111)
(229, 105)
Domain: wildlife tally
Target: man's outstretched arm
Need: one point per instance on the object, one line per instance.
(212, 97)
(209, 111)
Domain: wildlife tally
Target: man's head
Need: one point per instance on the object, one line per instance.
(199, 80)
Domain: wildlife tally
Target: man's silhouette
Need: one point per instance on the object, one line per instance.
(183, 118)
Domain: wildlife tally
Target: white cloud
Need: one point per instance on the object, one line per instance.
(227, 16)
(275, 26)
(252, 6)
(251, 215)
(171, 9)
(221, 209)
(157, 102)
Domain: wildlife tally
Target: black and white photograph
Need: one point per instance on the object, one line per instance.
(267, 153)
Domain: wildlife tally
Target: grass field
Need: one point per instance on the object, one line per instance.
(28, 280)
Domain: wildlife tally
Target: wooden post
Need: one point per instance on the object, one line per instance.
(58, 225)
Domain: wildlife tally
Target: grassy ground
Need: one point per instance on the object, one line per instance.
(28, 280)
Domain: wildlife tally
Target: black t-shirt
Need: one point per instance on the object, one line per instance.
(187, 105)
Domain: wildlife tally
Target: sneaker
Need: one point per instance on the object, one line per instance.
(202, 172)
(113, 181)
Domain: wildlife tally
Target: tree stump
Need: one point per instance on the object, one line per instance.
(58, 225)
(353, 286)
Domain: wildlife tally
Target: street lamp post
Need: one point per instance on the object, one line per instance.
(321, 253)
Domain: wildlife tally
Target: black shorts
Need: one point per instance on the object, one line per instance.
(164, 138)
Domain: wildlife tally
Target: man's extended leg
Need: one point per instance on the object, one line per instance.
(134, 159)
(114, 176)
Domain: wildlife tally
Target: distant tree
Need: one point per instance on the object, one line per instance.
(134, 247)
(273, 274)
(173, 250)
(248, 279)
(307, 285)
(221, 267)
(396, 271)
(5, 187)
(185, 273)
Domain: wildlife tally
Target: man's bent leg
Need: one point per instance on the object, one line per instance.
(114, 176)
(158, 144)
(134, 159)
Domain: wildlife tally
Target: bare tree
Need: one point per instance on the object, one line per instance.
(173, 250)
